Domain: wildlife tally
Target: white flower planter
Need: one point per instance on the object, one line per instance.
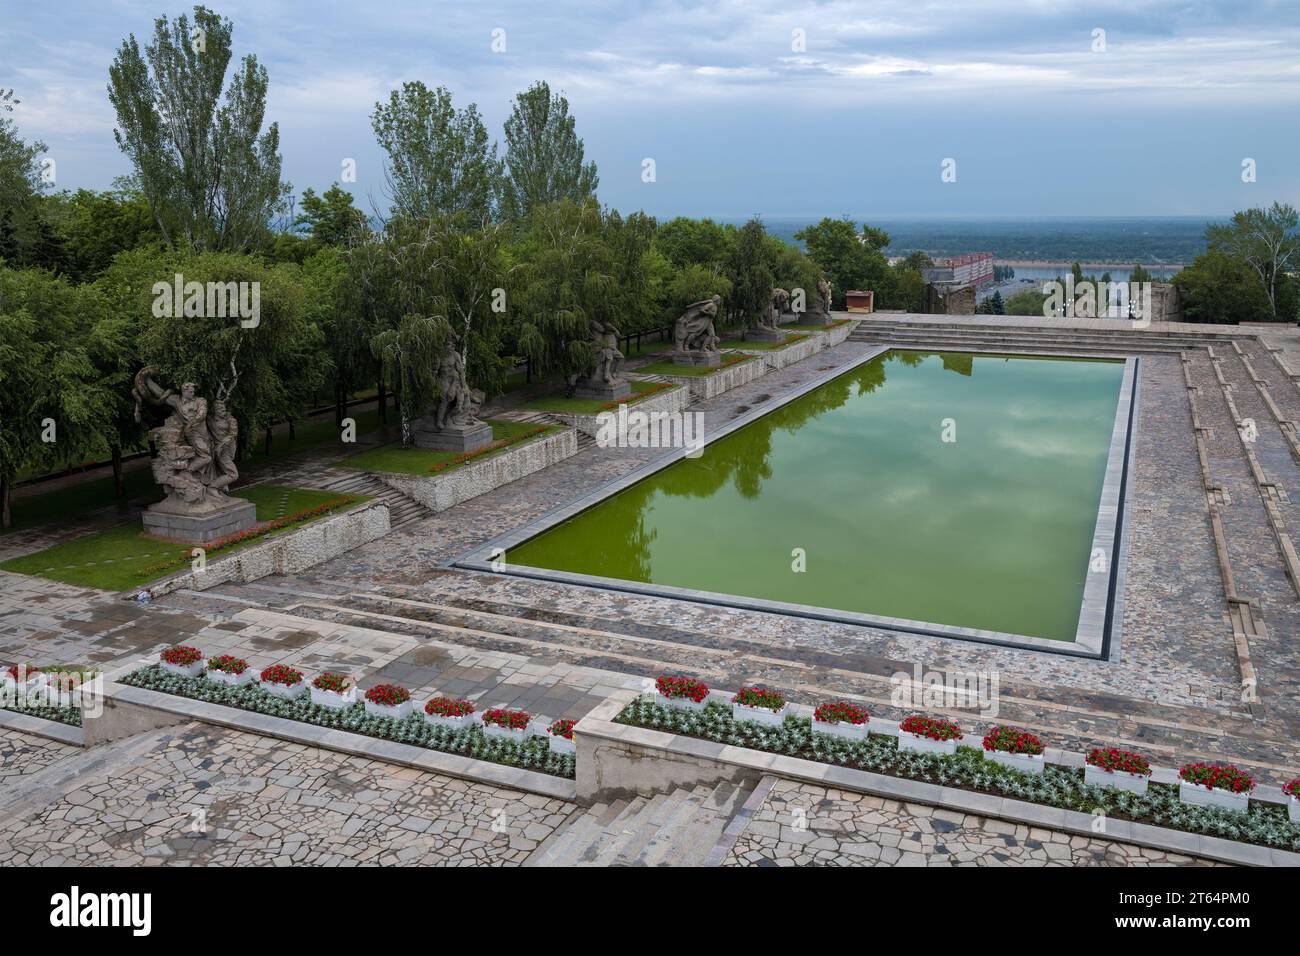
(680, 703)
(759, 715)
(842, 729)
(232, 680)
(334, 699)
(32, 681)
(184, 670)
(285, 691)
(1293, 808)
(1025, 763)
(1197, 796)
(453, 723)
(561, 745)
(926, 745)
(506, 733)
(1119, 779)
(395, 711)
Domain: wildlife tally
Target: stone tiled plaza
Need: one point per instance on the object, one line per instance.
(395, 610)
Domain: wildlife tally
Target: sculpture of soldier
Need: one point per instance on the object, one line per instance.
(694, 338)
(603, 381)
(453, 423)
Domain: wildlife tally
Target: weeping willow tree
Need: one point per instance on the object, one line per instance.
(409, 356)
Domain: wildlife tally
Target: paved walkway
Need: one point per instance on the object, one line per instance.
(804, 825)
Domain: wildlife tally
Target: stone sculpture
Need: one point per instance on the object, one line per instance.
(453, 424)
(820, 312)
(694, 338)
(604, 381)
(767, 330)
(195, 463)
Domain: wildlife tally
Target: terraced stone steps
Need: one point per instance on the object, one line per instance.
(679, 828)
(401, 509)
(958, 339)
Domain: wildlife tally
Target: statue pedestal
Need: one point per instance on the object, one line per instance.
(815, 318)
(459, 438)
(700, 358)
(609, 391)
(764, 335)
(200, 523)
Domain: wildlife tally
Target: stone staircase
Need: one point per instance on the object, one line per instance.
(680, 828)
(954, 336)
(401, 509)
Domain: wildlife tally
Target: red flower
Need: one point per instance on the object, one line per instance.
(936, 728)
(841, 711)
(682, 687)
(563, 728)
(181, 655)
(448, 707)
(1008, 740)
(772, 700)
(20, 672)
(509, 719)
(228, 664)
(338, 683)
(389, 695)
(281, 674)
(1215, 777)
(1122, 760)
(1292, 789)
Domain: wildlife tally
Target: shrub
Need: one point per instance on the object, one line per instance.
(1215, 777)
(1292, 789)
(182, 655)
(1112, 759)
(389, 695)
(1008, 740)
(281, 674)
(562, 728)
(759, 697)
(678, 687)
(338, 683)
(227, 664)
(841, 712)
(936, 728)
(448, 707)
(509, 719)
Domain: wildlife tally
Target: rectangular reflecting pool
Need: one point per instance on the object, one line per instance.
(953, 493)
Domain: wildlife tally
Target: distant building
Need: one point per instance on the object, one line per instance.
(974, 268)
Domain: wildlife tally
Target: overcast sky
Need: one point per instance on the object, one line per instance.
(738, 117)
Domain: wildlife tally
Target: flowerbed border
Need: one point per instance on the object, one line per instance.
(704, 759)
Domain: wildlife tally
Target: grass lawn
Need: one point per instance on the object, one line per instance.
(594, 406)
(790, 339)
(424, 461)
(124, 557)
(694, 371)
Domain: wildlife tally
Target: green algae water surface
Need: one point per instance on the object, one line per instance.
(991, 529)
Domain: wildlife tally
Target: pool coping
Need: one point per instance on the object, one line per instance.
(1106, 595)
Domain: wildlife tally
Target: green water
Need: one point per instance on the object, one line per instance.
(992, 530)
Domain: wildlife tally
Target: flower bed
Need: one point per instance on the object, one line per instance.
(760, 705)
(45, 693)
(928, 735)
(283, 681)
(333, 690)
(1014, 748)
(1206, 784)
(562, 736)
(388, 700)
(182, 660)
(966, 769)
(449, 712)
(1117, 768)
(684, 693)
(468, 741)
(229, 670)
(841, 718)
(506, 724)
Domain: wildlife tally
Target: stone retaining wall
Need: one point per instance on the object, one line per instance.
(288, 553)
(673, 400)
(440, 492)
(704, 387)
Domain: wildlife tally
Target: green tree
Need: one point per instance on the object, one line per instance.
(20, 187)
(95, 226)
(1025, 302)
(209, 173)
(543, 160)
(1222, 289)
(749, 269)
(440, 161)
(1268, 242)
(331, 219)
(694, 241)
(851, 259)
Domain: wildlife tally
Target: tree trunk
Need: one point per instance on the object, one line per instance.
(4, 501)
(291, 431)
(383, 401)
(119, 482)
(153, 449)
(266, 448)
(340, 405)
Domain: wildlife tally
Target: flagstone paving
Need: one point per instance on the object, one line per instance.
(805, 825)
(200, 795)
